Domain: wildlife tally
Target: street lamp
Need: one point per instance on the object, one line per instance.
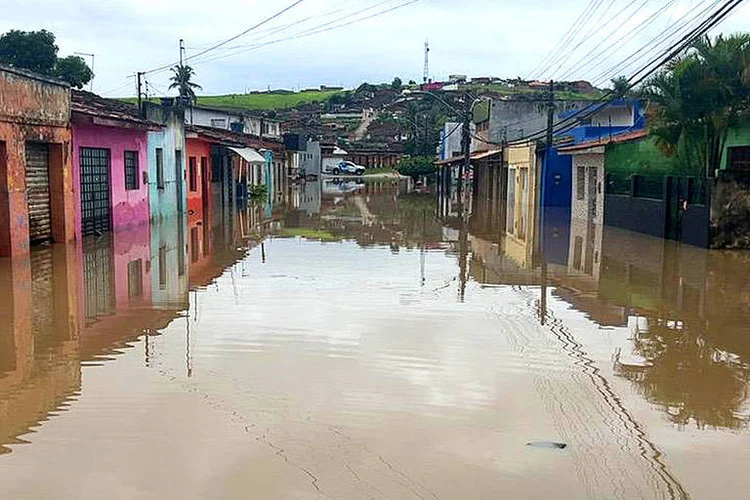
(91, 88)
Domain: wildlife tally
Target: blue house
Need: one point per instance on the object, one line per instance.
(615, 118)
(166, 160)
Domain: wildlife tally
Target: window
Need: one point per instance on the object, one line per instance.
(135, 279)
(218, 123)
(739, 158)
(204, 168)
(159, 168)
(193, 175)
(131, 170)
(581, 183)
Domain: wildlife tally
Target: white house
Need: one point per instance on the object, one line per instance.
(236, 121)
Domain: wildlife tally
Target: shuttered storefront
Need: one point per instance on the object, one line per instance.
(95, 204)
(37, 192)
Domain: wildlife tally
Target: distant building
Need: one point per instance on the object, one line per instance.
(457, 78)
(374, 158)
(237, 121)
(482, 80)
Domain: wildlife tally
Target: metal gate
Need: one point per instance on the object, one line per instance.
(95, 172)
(37, 191)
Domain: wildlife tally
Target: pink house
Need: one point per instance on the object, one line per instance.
(110, 164)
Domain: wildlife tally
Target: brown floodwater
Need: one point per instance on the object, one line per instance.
(349, 343)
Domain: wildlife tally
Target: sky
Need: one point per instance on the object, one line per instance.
(313, 46)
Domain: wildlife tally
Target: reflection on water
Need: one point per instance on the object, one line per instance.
(376, 341)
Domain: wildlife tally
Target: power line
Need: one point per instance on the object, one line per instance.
(316, 30)
(601, 52)
(647, 70)
(235, 37)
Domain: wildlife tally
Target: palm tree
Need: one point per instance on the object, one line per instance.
(699, 97)
(181, 76)
(620, 86)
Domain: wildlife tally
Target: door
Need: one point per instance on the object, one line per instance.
(95, 197)
(179, 180)
(204, 186)
(37, 192)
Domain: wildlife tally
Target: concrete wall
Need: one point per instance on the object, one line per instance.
(450, 140)
(514, 119)
(163, 202)
(128, 207)
(33, 109)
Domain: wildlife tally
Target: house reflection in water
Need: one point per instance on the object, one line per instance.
(682, 312)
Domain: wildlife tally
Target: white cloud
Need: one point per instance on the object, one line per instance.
(478, 37)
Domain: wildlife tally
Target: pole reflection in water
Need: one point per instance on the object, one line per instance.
(394, 347)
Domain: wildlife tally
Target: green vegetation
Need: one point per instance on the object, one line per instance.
(267, 100)
(417, 166)
(309, 233)
(257, 193)
(36, 51)
(181, 79)
(699, 98)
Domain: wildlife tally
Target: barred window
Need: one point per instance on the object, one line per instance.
(739, 158)
(131, 170)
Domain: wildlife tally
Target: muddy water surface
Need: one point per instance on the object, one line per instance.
(350, 344)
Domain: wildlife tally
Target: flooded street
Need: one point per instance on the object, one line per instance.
(362, 340)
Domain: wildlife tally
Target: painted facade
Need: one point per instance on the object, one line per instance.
(111, 136)
(521, 212)
(34, 109)
(198, 174)
(166, 162)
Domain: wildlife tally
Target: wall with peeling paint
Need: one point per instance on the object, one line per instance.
(33, 109)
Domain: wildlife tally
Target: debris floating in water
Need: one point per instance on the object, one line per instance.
(547, 444)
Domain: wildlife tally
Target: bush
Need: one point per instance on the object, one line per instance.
(257, 193)
(417, 166)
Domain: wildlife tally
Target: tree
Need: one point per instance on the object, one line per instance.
(699, 97)
(181, 80)
(32, 50)
(397, 84)
(620, 86)
(74, 70)
(416, 166)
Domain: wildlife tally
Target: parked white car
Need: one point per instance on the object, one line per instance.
(345, 168)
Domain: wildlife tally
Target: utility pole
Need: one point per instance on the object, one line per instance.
(465, 164)
(542, 185)
(426, 75)
(139, 76)
(182, 49)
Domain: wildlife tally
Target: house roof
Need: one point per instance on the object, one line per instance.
(109, 112)
(478, 155)
(229, 138)
(615, 139)
(236, 112)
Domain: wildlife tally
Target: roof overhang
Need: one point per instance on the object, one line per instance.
(249, 154)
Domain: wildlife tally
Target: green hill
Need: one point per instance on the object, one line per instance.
(263, 101)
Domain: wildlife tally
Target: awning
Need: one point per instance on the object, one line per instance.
(249, 154)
